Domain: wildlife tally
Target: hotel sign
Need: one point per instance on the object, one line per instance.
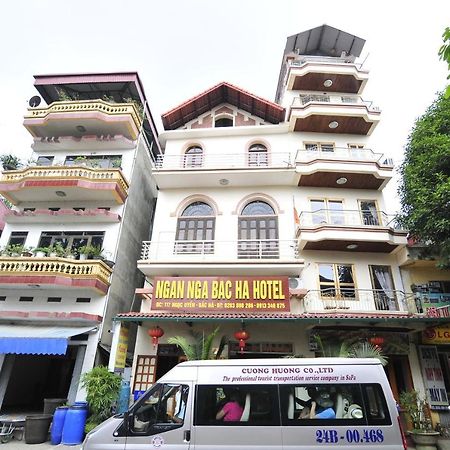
(221, 294)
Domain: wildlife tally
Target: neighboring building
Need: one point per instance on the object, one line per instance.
(286, 199)
(89, 188)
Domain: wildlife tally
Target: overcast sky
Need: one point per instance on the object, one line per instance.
(182, 47)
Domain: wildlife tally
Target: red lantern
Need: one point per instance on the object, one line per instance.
(155, 333)
(241, 336)
(376, 340)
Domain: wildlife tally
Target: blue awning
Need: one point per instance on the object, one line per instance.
(37, 340)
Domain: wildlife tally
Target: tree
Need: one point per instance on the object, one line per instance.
(425, 187)
(444, 55)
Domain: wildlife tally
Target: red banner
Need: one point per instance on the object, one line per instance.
(221, 294)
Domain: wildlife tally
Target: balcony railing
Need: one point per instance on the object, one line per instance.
(359, 300)
(27, 266)
(324, 59)
(241, 160)
(218, 251)
(80, 106)
(305, 99)
(66, 172)
(348, 218)
(342, 154)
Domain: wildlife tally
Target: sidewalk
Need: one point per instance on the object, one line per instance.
(21, 445)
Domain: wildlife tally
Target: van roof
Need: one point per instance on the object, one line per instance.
(283, 362)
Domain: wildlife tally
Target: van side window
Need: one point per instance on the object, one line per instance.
(163, 404)
(240, 405)
(377, 410)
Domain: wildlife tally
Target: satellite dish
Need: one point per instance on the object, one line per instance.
(34, 101)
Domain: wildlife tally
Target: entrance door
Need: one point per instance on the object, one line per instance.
(162, 418)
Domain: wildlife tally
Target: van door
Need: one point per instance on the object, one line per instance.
(161, 418)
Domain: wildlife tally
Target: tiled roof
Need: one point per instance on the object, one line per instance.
(218, 94)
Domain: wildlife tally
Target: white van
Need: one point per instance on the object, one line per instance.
(254, 404)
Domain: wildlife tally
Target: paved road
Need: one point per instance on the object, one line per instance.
(21, 445)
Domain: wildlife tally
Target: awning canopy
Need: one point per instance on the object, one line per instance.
(37, 340)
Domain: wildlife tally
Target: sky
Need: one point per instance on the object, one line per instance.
(182, 47)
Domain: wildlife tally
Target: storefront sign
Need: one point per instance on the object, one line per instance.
(437, 335)
(442, 311)
(433, 377)
(221, 294)
(119, 347)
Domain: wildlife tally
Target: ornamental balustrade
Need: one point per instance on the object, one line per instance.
(54, 266)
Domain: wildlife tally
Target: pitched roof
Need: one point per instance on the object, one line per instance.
(218, 94)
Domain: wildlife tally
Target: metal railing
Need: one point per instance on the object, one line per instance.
(210, 250)
(355, 300)
(300, 61)
(333, 217)
(54, 266)
(242, 160)
(77, 106)
(342, 153)
(335, 99)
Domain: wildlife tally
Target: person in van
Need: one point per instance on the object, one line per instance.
(320, 406)
(232, 410)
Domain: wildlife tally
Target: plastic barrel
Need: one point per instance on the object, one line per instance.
(124, 397)
(73, 431)
(56, 429)
(36, 428)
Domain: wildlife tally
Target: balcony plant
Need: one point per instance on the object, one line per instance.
(41, 252)
(81, 161)
(90, 252)
(418, 412)
(14, 249)
(10, 162)
(27, 251)
(57, 249)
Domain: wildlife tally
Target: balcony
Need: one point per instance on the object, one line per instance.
(312, 73)
(83, 118)
(350, 231)
(256, 257)
(239, 169)
(324, 113)
(360, 167)
(390, 302)
(54, 273)
(73, 183)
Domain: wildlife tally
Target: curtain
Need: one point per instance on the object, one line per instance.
(383, 277)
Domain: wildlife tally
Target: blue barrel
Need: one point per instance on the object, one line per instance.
(73, 431)
(56, 429)
(124, 397)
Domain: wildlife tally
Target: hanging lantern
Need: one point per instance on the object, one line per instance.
(241, 336)
(377, 340)
(155, 333)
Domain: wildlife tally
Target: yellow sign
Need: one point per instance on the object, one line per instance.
(437, 335)
(122, 347)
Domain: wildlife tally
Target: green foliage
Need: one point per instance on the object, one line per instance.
(10, 162)
(102, 388)
(201, 347)
(91, 251)
(417, 409)
(444, 55)
(425, 186)
(57, 248)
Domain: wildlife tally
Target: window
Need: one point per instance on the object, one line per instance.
(336, 281)
(29, 209)
(83, 300)
(193, 157)
(45, 160)
(319, 147)
(257, 155)
(95, 161)
(338, 404)
(325, 211)
(54, 299)
(258, 231)
(2, 298)
(195, 230)
(72, 240)
(145, 372)
(18, 238)
(253, 405)
(25, 299)
(369, 212)
(384, 294)
(163, 407)
(223, 122)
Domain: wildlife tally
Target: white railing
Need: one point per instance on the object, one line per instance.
(335, 99)
(243, 160)
(359, 300)
(220, 251)
(348, 218)
(324, 59)
(342, 153)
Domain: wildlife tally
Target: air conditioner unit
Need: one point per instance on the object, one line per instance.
(295, 283)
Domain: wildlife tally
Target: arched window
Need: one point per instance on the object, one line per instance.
(258, 231)
(193, 157)
(257, 155)
(195, 229)
(223, 122)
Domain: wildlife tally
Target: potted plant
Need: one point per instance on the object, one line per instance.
(57, 249)
(41, 252)
(80, 161)
(70, 253)
(27, 251)
(14, 249)
(418, 412)
(10, 162)
(90, 252)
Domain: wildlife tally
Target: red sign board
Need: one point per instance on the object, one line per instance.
(229, 294)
